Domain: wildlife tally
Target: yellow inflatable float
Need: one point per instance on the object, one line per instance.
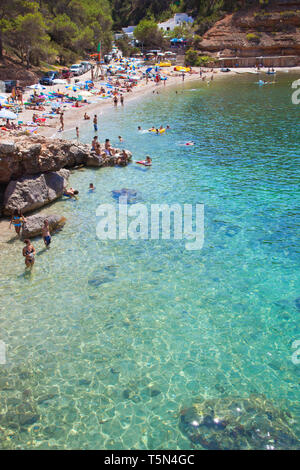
(161, 131)
(163, 64)
(179, 68)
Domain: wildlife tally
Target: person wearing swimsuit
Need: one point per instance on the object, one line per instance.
(29, 254)
(17, 219)
(46, 233)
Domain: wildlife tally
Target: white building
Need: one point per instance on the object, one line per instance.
(177, 20)
(127, 31)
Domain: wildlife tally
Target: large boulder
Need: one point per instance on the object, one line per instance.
(7, 160)
(34, 224)
(94, 160)
(234, 423)
(31, 192)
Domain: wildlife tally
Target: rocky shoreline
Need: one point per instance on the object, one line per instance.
(34, 171)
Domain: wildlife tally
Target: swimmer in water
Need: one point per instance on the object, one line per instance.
(190, 143)
(29, 253)
(71, 193)
(148, 160)
(46, 233)
(92, 187)
(139, 128)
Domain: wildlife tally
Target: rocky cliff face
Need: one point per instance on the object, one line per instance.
(33, 169)
(24, 155)
(272, 31)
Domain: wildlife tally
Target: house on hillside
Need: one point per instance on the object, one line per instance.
(128, 31)
(177, 20)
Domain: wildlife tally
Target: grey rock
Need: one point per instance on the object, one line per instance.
(94, 160)
(234, 423)
(7, 147)
(28, 418)
(32, 192)
(34, 224)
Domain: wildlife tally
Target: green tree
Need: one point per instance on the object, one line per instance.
(148, 34)
(10, 9)
(26, 35)
(124, 44)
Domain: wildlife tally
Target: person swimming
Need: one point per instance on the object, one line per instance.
(46, 233)
(92, 187)
(71, 193)
(29, 254)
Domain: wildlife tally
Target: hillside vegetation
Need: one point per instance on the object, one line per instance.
(59, 32)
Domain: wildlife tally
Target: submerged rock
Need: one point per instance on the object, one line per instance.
(130, 195)
(297, 303)
(99, 277)
(238, 424)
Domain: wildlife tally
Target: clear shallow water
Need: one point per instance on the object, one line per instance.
(109, 363)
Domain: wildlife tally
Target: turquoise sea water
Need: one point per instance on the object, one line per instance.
(108, 340)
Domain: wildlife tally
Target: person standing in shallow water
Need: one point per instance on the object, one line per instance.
(17, 219)
(95, 121)
(29, 254)
(46, 233)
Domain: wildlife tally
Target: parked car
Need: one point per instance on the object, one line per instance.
(107, 58)
(66, 73)
(9, 85)
(48, 78)
(76, 69)
(86, 65)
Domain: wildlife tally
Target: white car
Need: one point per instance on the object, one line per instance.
(76, 69)
(86, 65)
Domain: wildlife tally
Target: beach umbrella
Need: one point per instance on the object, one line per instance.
(5, 114)
(37, 86)
(55, 104)
(85, 93)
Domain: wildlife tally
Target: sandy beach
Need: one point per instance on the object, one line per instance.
(74, 116)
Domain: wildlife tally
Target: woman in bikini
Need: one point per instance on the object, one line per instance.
(17, 219)
(29, 253)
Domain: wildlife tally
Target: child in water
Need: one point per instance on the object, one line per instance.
(92, 187)
(46, 233)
